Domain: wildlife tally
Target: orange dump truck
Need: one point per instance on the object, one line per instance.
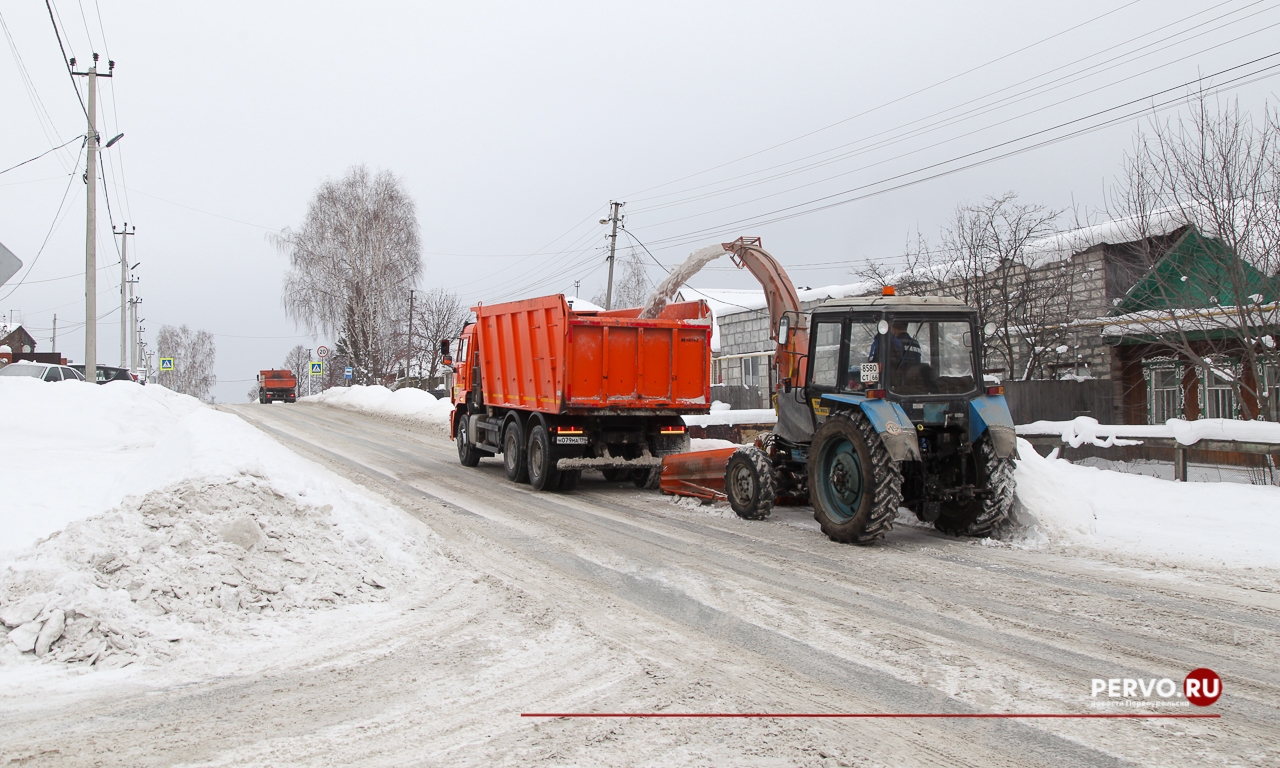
(557, 391)
(277, 385)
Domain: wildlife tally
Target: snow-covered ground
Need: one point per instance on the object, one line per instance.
(413, 405)
(144, 528)
(1083, 429)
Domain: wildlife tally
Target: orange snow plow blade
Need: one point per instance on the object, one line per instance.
(699, 474)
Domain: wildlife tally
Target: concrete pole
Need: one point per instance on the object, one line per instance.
(613, 247)
(133, 330)
(53, 343)
(124, 296)
(408, 358)
(91, 235)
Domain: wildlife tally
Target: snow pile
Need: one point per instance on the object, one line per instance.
(709, 444)
(1084, 429)
(1219, 523)
(407, 404)
(171, 528)
(727, 416)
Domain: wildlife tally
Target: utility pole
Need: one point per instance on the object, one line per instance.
(91, 222)
(408, 355)
(53, 343)
(615, 209)
(124, 295)
(135, 333)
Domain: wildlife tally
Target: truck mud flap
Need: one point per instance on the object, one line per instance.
(990, 413)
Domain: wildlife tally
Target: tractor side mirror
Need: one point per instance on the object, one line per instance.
(784, 329)
(444, 347)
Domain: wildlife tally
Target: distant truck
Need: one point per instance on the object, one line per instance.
(557, 391)
(277, 385)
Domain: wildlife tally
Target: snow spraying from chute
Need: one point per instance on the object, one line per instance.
(678, 277)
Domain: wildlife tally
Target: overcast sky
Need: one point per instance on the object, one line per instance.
(513, 125)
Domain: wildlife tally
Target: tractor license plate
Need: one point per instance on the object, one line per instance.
(572, 440)
(870, 373)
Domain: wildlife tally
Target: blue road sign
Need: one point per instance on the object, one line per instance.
(317, 369)
(347, 373)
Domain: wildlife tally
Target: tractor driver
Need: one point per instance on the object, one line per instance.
(906, 350)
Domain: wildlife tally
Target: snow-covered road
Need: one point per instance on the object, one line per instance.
(614, 600)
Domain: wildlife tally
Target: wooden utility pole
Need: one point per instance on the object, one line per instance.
(615, 209)
(408, 355)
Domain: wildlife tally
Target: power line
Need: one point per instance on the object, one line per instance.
(895, 101)
(65, 60)
(42, 154)
(56, 217)
(946, 122)
(1105, 123)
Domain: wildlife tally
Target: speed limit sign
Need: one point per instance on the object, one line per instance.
(322, 352)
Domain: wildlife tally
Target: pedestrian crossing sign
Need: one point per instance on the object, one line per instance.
(166, 363)
(317, 369)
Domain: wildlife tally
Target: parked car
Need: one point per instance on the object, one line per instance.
(107, 373)
(42, 371)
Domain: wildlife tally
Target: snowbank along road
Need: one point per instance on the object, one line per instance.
(611, 599)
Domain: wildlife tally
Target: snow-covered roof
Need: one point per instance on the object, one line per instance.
(582, 305)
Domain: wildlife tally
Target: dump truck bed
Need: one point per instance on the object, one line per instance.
(540, 355)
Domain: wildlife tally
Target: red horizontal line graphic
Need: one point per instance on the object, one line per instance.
(856, 715)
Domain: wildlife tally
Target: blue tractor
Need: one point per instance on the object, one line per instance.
(881, 404)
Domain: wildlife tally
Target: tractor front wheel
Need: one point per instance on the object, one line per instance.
(854, 485)
(749, 483)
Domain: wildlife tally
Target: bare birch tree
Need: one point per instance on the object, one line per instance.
(298, 362)
(632, 286)
(352, 263)
(438, 314)
(193, 354)
(1218, 170)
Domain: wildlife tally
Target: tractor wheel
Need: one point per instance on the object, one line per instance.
(543, 475)
(513, 459)
(648, 479)
(616, 474)
(749, 483)
(468, 454)
(569, 479)
(854, 485)
(980, 517)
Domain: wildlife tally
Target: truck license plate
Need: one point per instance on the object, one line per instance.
(582, 440)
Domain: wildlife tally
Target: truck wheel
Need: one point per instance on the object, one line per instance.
(980, 517)
(648, 479)
(854, 485)
(513, 453)
(569, 479)
(616, 474)
(468, 454)
(543, 475)
(262, 400)
(749, 483)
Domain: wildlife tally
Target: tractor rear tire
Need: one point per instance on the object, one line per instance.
(543, 474)
(468, 454)
(854, 485)
(647, 479)
(513, 453)
(980, 517)
(749, 483)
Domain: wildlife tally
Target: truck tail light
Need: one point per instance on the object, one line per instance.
(875, 394)
(672, 430)
(995, 390)
(568, 430)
